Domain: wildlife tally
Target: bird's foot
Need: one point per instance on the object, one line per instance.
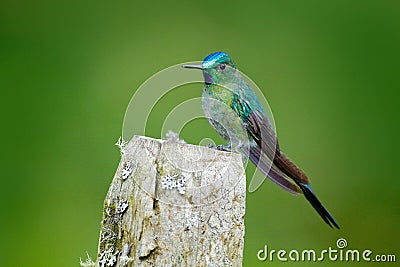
(238, 146)
(227, 148)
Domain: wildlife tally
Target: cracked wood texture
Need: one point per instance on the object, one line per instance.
(174, 204)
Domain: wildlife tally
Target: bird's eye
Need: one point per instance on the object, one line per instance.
(222, 66)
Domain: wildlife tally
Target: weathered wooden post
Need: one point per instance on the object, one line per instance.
(173, 204)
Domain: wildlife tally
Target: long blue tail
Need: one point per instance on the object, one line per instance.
(322, 211)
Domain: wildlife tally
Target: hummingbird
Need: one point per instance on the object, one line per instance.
(234, 111)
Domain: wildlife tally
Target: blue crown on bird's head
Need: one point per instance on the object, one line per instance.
(217, 58)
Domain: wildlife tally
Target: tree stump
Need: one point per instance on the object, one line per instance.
(174, 204)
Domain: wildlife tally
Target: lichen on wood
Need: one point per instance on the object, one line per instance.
(173, 204)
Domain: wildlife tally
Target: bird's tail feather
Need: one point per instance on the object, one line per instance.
(322, 211)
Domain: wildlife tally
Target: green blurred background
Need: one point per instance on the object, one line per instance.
(330, 70)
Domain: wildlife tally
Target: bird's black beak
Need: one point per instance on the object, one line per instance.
(207, 77)
(193, 67)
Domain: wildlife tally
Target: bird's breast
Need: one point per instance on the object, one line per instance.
(217, 107)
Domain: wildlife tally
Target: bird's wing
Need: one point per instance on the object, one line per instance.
(265, 139)
(269, 170)
(262, 155)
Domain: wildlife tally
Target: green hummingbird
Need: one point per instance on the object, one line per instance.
(234, 111)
